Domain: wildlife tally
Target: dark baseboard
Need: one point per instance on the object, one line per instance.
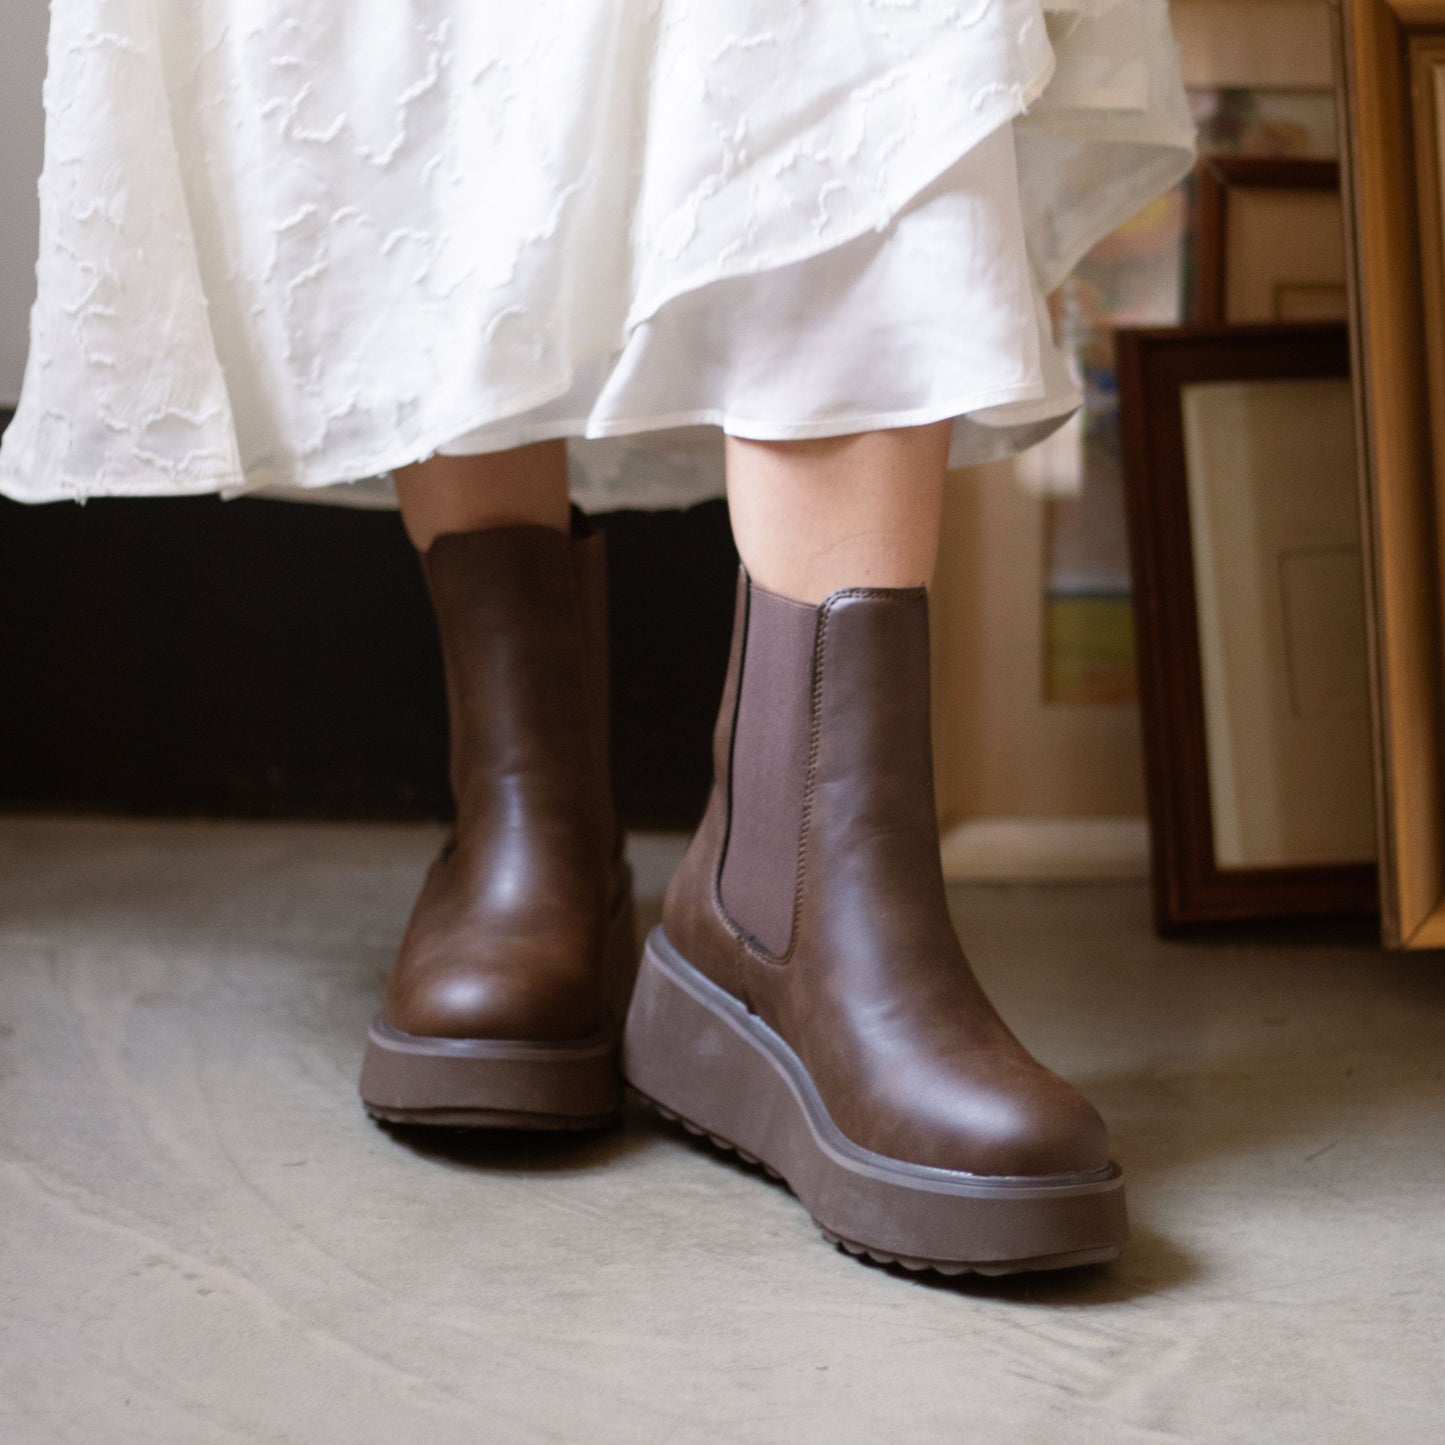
(274, 659)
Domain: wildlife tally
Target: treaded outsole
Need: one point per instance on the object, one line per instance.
(489, 1084)
(992, 1270)
(950, 1268)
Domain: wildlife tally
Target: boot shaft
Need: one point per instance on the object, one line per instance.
(521, 613)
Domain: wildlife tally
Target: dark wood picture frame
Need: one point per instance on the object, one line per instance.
(1154, 366)
(1215, 178)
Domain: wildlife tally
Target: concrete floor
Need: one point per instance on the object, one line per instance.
(202, 1239)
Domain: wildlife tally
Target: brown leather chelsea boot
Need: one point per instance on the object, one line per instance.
(506, 1003)
(805, 1000)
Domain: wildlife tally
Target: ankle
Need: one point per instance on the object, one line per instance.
(526, 486)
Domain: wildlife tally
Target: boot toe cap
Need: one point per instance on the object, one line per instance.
(1018, 1123)
(527, 1001)
(1050, 1128)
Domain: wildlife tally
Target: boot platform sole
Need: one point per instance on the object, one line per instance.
(489, 1083)
(698, 1055)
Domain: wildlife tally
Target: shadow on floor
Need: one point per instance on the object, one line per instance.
(523, 1151)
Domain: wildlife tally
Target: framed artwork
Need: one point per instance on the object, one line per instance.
(1269, 241)
(1238, 450)
(1391, 50)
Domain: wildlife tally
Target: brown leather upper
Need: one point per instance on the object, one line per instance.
(841, 941)
(508, 939)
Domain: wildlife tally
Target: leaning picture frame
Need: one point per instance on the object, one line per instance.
(1269, 241)
(1391, 190)
(1249, 613)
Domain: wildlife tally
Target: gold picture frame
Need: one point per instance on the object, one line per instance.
(1396, 283)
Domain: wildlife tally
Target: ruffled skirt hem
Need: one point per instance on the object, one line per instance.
(924, 304)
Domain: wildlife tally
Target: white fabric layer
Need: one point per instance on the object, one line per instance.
(286, 250)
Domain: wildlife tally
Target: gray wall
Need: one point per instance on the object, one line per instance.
(22, 68)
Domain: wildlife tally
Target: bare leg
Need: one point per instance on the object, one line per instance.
(498, 489)
(810, 517)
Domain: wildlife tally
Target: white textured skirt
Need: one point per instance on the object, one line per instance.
(287, 248)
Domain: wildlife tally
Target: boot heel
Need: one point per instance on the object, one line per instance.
(699, 1056)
